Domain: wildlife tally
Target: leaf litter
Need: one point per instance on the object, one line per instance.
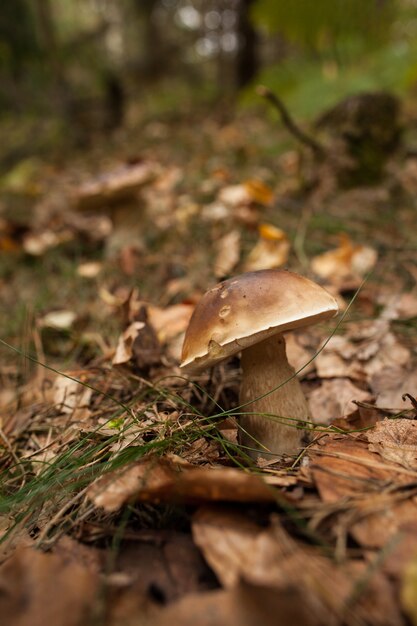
(126, 496)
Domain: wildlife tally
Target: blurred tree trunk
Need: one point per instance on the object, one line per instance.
(152, 44)
(247, 60)
(50, 48)
(19, 49)
(17, 36)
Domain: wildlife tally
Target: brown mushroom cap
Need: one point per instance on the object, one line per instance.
(249, 308)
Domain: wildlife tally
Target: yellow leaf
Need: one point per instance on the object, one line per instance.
(259, 192)
(271, 251)
(272, 233)
(348, 260)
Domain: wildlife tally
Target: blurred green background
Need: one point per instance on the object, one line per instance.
(94, 66)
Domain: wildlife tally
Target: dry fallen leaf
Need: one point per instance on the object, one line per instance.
(234, 195)
(395, 440)
(244, 605)
(390, 384)
(61, 320)
(37, 244)
(348, 260)
(401, 306)
(407, 305)
(39, 589)
(90, 269)
(348, 475)
(342, 466)
(71, 398)
(334, 398)
(227, 253)
(238, 550)
(337, 360)
(376, 347)
(170, 321)
(382, 353)
(259, 192)
(226, 539)
(167, 479)
(124, 349)
(8, 244)
(112, 300)
(138, 345)
(271, 250)
(377, 522)
(299, 354)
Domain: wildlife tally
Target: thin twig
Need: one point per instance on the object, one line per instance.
(59, 514)
(14, 456)
(289, 123)
(300, 236)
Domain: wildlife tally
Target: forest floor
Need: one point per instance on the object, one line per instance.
(126, 498)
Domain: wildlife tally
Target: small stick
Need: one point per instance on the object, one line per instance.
(413, 401)
(289, 123)
(45, 531)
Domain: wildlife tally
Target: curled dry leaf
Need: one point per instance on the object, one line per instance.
(238, 550)
(170, 321)
(226, 539)
(139, 346)
(395, 440)
(259, 192)
(170, 479)
(348, 474)
(271, 250)
(346, 261)
(334, 398)
(227, 253)
(71, 397)
(124, 350)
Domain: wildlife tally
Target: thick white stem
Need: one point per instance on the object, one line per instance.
(265, 366)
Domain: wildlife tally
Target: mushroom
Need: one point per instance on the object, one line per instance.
(116, 193)
(248, 314)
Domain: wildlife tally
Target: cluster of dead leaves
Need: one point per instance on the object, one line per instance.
(292, 556)
(331, 541)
